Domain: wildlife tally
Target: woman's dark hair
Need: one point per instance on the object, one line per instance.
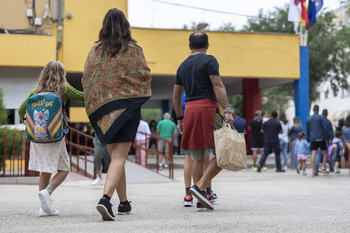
(153, 122)
(198, 40)
(115, 33)
(283, 118)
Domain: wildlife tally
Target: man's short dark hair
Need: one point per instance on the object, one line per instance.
(198, 40)
(238, 112)
(274, 114)
(325, 113)
(316, 108)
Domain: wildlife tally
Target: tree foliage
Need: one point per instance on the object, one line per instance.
(3, 111)
(328, 47)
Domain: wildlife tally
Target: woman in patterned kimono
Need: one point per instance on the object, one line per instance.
(116, 82)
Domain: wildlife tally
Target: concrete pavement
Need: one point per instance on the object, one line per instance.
(248, 202)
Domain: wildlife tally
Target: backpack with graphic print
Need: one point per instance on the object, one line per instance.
(45, 118)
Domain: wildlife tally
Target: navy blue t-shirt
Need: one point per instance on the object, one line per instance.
(271, 129)
(193, 74)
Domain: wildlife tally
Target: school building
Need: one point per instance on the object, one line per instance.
(34, 32)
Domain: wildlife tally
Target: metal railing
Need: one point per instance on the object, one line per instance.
(157, 153)
(16, 164)
(80, 152)
(81, 155)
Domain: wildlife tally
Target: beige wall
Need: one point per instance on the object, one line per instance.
(13, 15)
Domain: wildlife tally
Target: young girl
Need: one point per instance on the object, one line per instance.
(48, 158)
(301, 150)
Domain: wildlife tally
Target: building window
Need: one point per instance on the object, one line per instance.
(11, 116)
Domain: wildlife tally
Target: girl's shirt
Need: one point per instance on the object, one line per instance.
(302, 147)
(71, 94)
(284, 134)
(339, 143)
(346, 133)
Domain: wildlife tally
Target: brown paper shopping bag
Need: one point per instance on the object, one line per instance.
(230, 149)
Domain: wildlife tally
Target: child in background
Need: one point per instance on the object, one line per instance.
(48, 158)
(338, 151)
(301, 150)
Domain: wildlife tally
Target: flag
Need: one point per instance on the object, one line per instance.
(314, 7)
(304, 19)
(294, 13)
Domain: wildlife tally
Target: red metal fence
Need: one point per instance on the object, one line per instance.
(80, 150)
(16, 163)
(157, 153)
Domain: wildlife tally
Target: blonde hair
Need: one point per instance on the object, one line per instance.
(52, 78)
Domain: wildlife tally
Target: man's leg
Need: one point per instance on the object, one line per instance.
(318, 159)
(267, 151)
(277, 150)
(255, 157)
(201, 182)
(313, 155)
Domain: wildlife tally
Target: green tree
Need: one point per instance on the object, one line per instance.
(227, 27)
(328, 48)
(3, 111)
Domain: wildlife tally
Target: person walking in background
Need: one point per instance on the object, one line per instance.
(338, 151)
(284, 139)
(329, 139)
(301, 150)
(153, 141)
(239, 122)
(293, 133)
(199, 76)
(141, 143)
(256, 138)
(346, 138)
(50, 158)
(166, 128)
(271, 129)
(116, 82)
(340, 125)
(316, 134)
(102, 159)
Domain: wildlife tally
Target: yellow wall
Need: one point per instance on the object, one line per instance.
(81, 31)
(13, 15)
(239, 54)
(26, 50)
(78, 114)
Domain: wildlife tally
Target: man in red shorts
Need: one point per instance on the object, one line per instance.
(199, 76)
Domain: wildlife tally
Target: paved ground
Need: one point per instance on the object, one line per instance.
(248, 202)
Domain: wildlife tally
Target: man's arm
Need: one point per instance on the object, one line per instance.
(221, 95)
(178, 90)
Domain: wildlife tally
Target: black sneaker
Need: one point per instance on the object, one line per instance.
(280, 170)
(200, 207)
(188, 201)
(124, 208)
(105, 209)
(201, 196)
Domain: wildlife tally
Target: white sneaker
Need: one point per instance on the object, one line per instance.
(98, 181)
(285, 168)
(44, 197)
(166, 166)
(337, 171)
(54, 212)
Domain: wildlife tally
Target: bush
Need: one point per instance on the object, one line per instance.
(9, 144)
(3, 111)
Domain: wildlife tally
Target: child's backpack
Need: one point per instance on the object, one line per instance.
(45, 118)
